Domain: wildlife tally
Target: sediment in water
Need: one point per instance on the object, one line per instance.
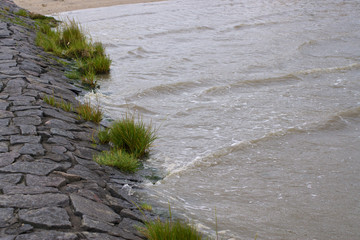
(49, 186)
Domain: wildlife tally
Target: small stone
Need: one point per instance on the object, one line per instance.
(6, 114)
(3, 104)
(34, 201)
(5, 215)
(93, 209)
(56, 123)
(127, 213)
(32, 149)
(4, 147)
(45, 181)
(19, 229)
(31, 190)
(4, 122)
(16, 139)
(58, 131)
(48, 217)
(23, 108)
(102, 236)
(8, 158)
(36, 167)
(55, 114)
(31, 112)
(68, 176)
(48, 235)
(9, 179)
(28, 129)
(58, 149)
(33, 120)
(86, 153)
(117, 204)
(10, 130)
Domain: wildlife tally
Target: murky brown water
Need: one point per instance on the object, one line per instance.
(258, 104)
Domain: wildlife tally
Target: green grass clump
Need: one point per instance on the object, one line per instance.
(70, 41)
(146, 207)
(22, 13)
(132, 136)
(90, 113)
(49, 100)
(103, 136)
(158, 230)
(118, 159)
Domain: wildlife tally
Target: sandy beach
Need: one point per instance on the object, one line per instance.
(56, 6)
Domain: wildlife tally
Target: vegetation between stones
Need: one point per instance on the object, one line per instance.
(119, 159)
(69, 41)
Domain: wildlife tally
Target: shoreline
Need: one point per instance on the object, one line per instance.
(50, 186)
(47, 7)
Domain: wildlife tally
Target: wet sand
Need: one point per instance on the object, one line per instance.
(56, 6)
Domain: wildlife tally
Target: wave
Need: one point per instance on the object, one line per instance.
(338, 121)
(180, 31)
(166, 89)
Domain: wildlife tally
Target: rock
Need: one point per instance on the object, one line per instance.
(19, 229)
(33, 120)
(96, 210)
(86, 153)
(34, 201)
(60, 132)
(28, 129)
(48, 217)
(69, 177)
(102, 236)
(8, 158)
(3, 104)
(37, 167)
(55, 114)
(16, 139)
(6, 114)
(8, 130)
(23, 108)
(5, 215)
(117, 190)
(4, 122)
(48, 235)
(56, 123)
(117, 204)
(4, 147)
(45, 181)
(90, 223)
(9, 179)
(32, 149)
(31, 112)
(31, 190)
(127, 213)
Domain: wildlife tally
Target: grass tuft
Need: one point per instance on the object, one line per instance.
(146, 207)
(119, 159)
(132, 136)
(70, 41)
(90, 113)
(22, 13)
(103, 136)
(158, 230)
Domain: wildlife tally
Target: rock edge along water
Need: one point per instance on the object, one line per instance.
(49, 186)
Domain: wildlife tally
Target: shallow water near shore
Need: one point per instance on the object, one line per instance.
(257, 104)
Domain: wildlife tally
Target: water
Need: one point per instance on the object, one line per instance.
(257, 104)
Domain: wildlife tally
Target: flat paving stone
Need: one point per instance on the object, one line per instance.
(16, 139)
(32, 149)
(10, 130)
(98, 236)
(37, 168)
(8, 158)
(9, 179)
(3, 104)
(48, 235)
(45, 181)
(6, 114)
(31, 112)
(56, 123)
(33, 120)
(4, 147)
(27, 129)
(48, 217)
(5, 215)
(4, 122)
(60, 132)
(55, 114)
(31, 190)
(96, 210)
(34, 201)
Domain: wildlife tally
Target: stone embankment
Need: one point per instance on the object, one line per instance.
(50, 188)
